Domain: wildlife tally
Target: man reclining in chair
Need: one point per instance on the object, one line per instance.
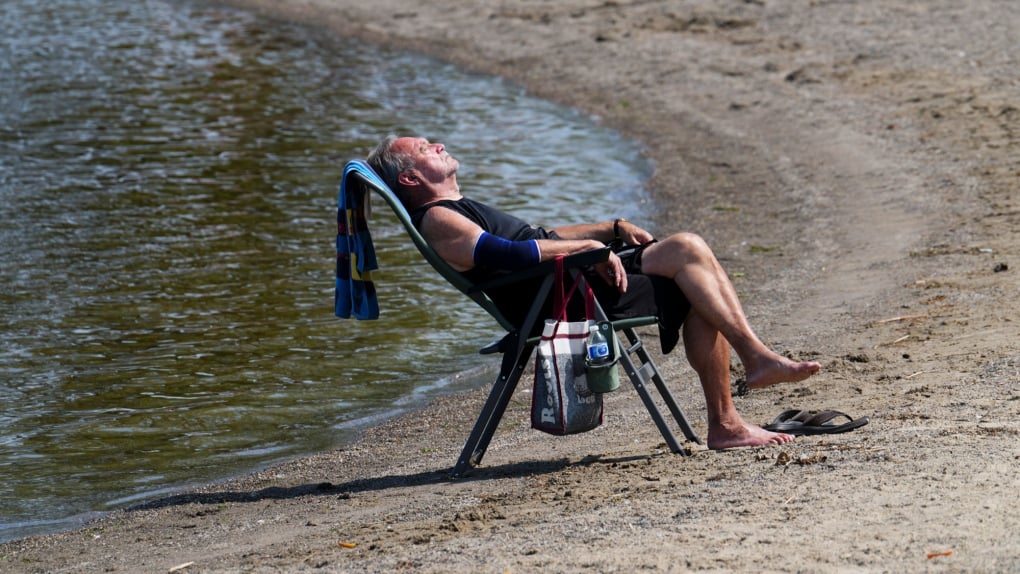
(678, 279)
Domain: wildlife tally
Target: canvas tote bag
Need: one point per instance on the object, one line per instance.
(561, 402)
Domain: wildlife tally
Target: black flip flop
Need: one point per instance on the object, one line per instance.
(798, 422)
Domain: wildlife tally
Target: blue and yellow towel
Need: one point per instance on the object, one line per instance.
(355, 254)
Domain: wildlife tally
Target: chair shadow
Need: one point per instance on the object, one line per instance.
(432, 477)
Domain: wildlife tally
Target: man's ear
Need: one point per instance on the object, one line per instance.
(407, 179)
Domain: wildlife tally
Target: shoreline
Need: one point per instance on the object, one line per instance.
(853, 166)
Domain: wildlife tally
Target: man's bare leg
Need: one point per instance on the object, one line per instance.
(689, 261)
(709, 355)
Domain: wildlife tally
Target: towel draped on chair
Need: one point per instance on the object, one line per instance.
(355, 255)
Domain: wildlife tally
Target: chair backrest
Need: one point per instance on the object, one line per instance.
(357, 171)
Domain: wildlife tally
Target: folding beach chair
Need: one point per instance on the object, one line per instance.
(518, 344)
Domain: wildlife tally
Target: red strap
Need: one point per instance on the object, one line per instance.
(561, 297)
(589, 301)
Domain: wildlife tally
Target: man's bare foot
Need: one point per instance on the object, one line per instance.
(780, 370)
(744, 435)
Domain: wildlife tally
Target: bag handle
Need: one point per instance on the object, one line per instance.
(561, 297)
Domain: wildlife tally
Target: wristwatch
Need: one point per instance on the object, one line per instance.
(616, 228)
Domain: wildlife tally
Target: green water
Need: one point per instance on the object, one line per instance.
(168, 177)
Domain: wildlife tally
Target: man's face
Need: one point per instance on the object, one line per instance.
(431, 162)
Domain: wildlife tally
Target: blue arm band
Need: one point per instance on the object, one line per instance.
(495, 252)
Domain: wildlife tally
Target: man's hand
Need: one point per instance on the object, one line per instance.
(633, 235)
(613, 273)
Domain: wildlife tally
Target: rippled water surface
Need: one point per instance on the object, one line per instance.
(168, 180)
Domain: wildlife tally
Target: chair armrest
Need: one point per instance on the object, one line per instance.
(574, 261)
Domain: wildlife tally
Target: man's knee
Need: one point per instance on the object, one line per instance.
(666, 257)
(688, 242)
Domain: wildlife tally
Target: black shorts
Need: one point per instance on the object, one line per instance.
(647, 295)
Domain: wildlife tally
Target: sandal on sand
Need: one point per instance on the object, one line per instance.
(798, 422)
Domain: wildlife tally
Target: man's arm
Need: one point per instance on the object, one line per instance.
(454, 236)
(606, 231)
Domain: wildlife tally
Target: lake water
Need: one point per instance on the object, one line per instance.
(168, 177)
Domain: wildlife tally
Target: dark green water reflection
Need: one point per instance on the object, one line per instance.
(168, 180)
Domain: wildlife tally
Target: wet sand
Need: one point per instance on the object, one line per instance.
(854, 165)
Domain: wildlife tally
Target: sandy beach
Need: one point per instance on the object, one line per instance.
(854, 165)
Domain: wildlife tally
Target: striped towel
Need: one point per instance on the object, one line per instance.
(355, 255)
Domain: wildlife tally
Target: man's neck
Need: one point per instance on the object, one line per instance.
(449, 191)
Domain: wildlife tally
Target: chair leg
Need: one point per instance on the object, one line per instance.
(638, 377)
(637, 347)
(638, 380)
(516, 352)
(511, 369)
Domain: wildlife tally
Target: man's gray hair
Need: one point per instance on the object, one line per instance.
(389, 165)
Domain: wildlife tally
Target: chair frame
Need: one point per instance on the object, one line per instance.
(517, 348)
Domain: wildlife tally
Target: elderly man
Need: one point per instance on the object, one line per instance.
(677, 279)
